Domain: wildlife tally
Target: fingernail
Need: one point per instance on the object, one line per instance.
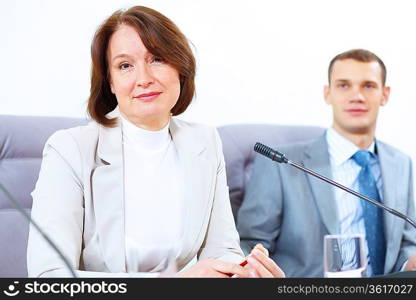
(251, 260)
(256, 252)
(253, 274)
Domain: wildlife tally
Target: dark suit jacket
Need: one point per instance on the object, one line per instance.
(290, 211)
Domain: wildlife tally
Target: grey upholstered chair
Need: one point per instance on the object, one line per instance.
(21, 142)
(238, 143)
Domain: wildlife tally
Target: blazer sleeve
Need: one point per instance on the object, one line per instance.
(408, 243)
(57, 208)
(259, 217)
(221, 240)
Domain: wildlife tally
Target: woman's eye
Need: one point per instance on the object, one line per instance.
(156, 59)
(124, 66)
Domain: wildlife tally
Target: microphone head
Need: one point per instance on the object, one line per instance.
(270, 153)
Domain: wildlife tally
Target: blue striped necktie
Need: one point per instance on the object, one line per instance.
(373, 216)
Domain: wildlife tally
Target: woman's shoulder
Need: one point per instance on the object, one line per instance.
(74, 145)
(193, 127)
(201, 136)
(75, 141)
(83, 134)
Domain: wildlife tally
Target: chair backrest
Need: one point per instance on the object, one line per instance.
(22, 139)
(238, 143)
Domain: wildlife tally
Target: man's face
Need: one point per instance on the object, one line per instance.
(355, 92)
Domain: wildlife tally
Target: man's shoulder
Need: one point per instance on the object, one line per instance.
(384, 148)
(301, 147)
(296, 151)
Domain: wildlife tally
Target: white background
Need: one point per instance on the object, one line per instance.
(258, 61)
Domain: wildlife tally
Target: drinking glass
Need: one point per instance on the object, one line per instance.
(344, 256)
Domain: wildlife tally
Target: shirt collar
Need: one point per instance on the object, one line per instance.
(145, 139)
(340, 148)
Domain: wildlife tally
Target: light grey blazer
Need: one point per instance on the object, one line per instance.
(290, 211)
(78, 200)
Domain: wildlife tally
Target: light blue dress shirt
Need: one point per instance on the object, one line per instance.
(345, 171)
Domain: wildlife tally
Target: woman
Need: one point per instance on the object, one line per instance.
(121, 194)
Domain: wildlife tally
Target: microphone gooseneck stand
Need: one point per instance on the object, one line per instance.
(281, 158)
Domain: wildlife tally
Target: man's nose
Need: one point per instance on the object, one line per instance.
(357, 95)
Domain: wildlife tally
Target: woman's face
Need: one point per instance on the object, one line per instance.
(145, 86)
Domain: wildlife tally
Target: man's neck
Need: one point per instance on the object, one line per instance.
(361, 140)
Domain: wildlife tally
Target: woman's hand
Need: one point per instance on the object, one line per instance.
(215, 268)
(260, 265)
(411, 263)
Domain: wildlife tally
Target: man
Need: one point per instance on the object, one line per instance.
(290, 212)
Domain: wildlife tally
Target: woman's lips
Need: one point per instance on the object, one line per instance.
(356, 111)
(147, 96)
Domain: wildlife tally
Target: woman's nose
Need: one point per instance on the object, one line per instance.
(144, 77)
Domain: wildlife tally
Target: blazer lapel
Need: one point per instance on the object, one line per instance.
(390, 177)
(316, 158)
(199, 185)
(108, 200)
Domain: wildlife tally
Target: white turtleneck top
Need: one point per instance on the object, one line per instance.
(153, 197)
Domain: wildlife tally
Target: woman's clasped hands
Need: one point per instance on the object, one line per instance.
(257, 264)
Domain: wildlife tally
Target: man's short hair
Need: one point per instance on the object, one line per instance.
(361, 55)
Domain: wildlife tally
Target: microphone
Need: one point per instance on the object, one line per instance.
(44, 235)
(281, 158)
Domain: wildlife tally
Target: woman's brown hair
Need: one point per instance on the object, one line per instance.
(161, 37)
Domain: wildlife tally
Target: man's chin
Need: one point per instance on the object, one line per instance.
(360, 129)
(356, 126)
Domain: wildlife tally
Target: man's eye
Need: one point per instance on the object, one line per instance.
(369, 86)
(343, 85)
